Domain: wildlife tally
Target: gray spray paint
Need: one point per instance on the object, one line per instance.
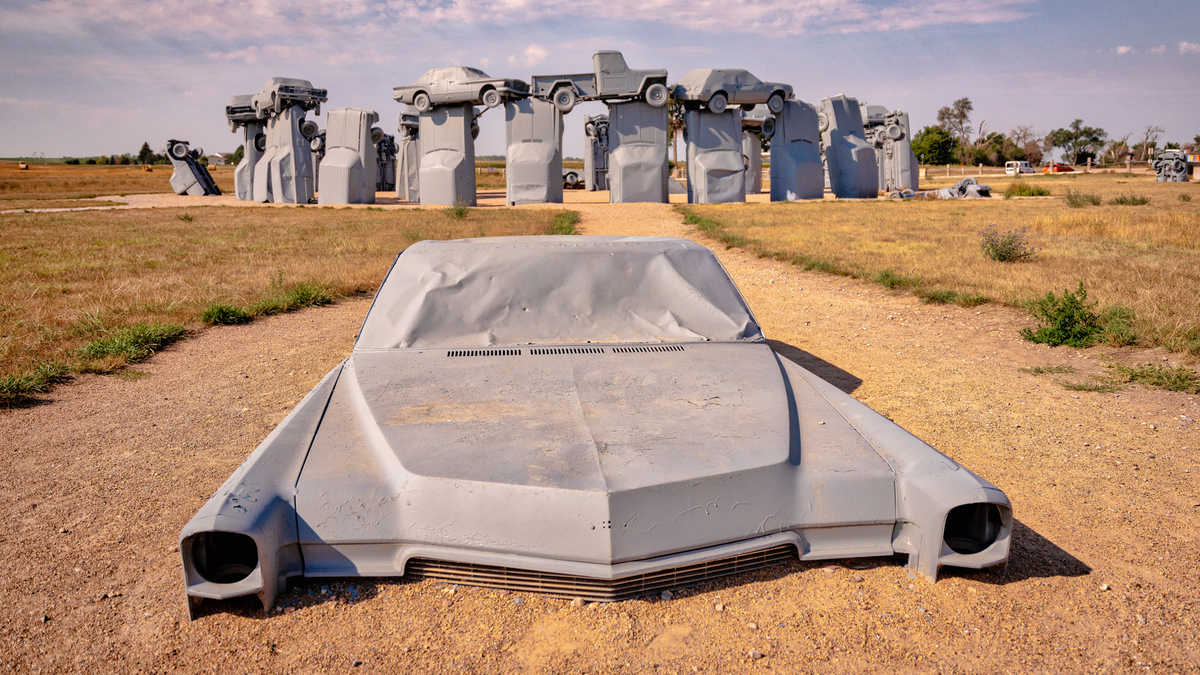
(796, 171)
(753, 158)
(1171, 166)
(188, 175)
(715, 167)
(533, 130)
(348, 171)
(637, 152)
(284, 173)
(447, 174)
(385, 162)
(853, 171)
(630, 418)
(595, 153)
(240, 115)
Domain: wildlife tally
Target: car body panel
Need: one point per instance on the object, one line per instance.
(458, 84)
(739, 86)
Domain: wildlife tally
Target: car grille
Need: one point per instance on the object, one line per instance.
(571, 586)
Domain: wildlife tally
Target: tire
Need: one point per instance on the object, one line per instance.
(656, 95)
(491, 98)
(718, 102)
(894, 132)
(775, 102)
(572, 180)
(422, 102)
(822, 122)
(316, 145)
(589, 129)
(376, 135)
(768, 127)
(178, 151)
(309, 129)
(260, 142)
(564, 99)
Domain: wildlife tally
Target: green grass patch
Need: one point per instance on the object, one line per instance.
(1048, 370)
(1076, 199)
(458, 212)
(17, 389)
(1094, 385)
(305, 294)
(1129, 200)
(225, 315)
(1117, 322)
(133, 343)
(185, 217)
(564, 223)
(1023, 189)
(890, 279)
(1171, 378)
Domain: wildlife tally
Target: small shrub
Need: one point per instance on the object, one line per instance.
(1077, 200)
(457, 212)
(1185, 198)
(225, 315)
(1118, 326)
(133, 343)
(185, 217)
(1048, 370)
(1066, 320)
(564, 223)
(1011, 246)
(937, 296)
(1129, 200)
(895, 281)
(1023, 189)
(1172, 378)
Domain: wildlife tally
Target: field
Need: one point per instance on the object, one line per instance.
(23, 189)
(70, 281)
(1143, 259)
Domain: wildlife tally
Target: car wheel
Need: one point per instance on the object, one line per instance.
(589, 129)
(309, 129)
(718, 102)
(822, 122)
(316, 145)
(768, 127)
(491, 98)
(260, 141)
(179, 151)
(564, 99)
(572, 179)
(894, 132)
(775, 103)
(656, 95)
(422, 102)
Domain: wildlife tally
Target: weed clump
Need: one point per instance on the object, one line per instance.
(895, 281)
(458, 212)
(16, 389)
(1118, 326)
(1171, 378)
(1023, 189)
(301, 295)
(1048, 370)
(1065, 320)
(225, 315)
(185, 217)
(133, 343)
(1185, 198)
(1129, 200)
(1011, 246)
(1077, 199)
(564, 223)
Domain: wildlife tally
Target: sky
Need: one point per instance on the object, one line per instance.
(87, 77)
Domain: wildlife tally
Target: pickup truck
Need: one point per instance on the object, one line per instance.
(611, 79)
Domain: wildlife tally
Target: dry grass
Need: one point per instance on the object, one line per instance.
(64, 181)
(18, 204)
(70, 279)
(1146, 259)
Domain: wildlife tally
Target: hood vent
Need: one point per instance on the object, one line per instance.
(484, 352)
(640, 349)
(602, 590)
(556, 351)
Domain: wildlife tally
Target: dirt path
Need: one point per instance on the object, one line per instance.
(1105, 486)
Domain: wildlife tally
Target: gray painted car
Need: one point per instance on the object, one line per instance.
(280, 93)
(717, 88)
(594, 417)
(458, 84)
(611, 79)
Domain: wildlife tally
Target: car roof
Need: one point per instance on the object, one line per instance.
(555, 290)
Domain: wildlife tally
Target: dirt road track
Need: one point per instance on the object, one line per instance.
(98, 482)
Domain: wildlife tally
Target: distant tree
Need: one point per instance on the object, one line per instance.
(146, 154)
(235, 157)
(1028, 143)
(956, 118)
(676, 123)
(1149, 143)
(1077, 141)
(91, 160)
(1173, 145)
(1116, 150)
(1194, 146)
(993, 149)
(934, 145)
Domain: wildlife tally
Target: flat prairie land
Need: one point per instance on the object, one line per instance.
(22, 188)
(69, 279)
(1144, 258)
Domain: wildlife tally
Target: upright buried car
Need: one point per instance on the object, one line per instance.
(458, 84)
(582, 416)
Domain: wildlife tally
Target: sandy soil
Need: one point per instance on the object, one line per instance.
(1103, 573)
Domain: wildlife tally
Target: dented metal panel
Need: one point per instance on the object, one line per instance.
(637, 152)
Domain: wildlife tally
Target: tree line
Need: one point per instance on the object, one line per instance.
(956, 139)
(146, 155)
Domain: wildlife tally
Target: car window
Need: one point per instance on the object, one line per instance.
(560, 290)
(474, 74)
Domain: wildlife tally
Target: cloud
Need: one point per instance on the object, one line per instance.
(1122, 50)
(1158, 50)
(532, 55)
(1189, 47)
